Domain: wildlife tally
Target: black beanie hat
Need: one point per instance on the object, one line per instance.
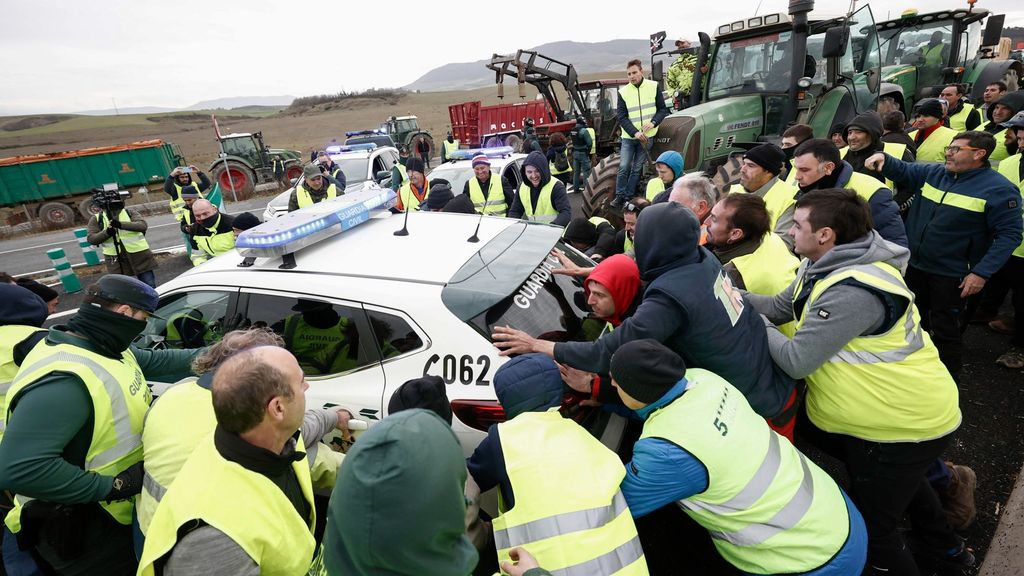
(767, 156)
(414, 164)
(41, 290)
(245, 221)
(427, 392)
(931, 107)
(581, 230)
(646, 369)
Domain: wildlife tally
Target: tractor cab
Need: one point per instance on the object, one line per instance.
(601, 98)
(401, 126)
(247, 146)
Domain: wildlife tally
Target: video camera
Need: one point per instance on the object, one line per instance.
(108, 198)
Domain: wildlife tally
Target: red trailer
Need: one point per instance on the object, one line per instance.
(478, 126)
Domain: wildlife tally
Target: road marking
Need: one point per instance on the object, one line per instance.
(39, 246)
(179, 247)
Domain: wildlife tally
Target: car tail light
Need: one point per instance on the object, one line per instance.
(479, 414)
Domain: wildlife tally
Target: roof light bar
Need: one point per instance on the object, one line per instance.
(363, 133)
(467, 154)
(307, 226)
(365, 147)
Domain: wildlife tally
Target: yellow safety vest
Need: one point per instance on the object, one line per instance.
(888, 387)
(319, 350)
(120, 399)
(304, 199)
(641, 105)
(218, 242)
(958, 121)
(584, 529)
(132, 241)
(222, 494)
(409, 200)
(545, 211)
(768, 508)
(655, 186)
(1010, 168)
(933, 57)
(865, 186)
(494, 202)
(401, 170)
(893, 149)
(999, 152)
(933, 149)
(769, 270)
(779, 198)
(568, 168)
(449, 147)
(177, 204)
(627, 244)
(10, 336)
(593, 140)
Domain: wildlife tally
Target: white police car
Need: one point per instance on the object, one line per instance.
(365, 309)
(459, 167)
(361, 164)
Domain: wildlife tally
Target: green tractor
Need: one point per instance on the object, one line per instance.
(764, 73)
(245, 161)
(921, 53)
(405, 131)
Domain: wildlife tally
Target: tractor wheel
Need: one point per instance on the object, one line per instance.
(600, 190)
(237, 176)
(514, 141)
(293, 171)
(414, 144)
(87, 208)
(56, 215)
(726, 175)
(492, 142)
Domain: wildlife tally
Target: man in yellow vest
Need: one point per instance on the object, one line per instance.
(759, 175)
(767, 508)
(414, 189)
(121, 232)
(491, 194)
(71, 450)
(179, 178)
(529, 456)
(541, 198)
(322, 341)
(667, 169)
(243, 501)
(312, 189)
(794, 136)
(331, 171)
(213, 233)
(640, 109)
(998, 114)
(448, 145)
(878, 397)
(960, 115)
(864, 136)
(929, 134)
(1011, 275)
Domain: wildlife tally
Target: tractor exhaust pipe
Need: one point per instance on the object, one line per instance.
(798, 10)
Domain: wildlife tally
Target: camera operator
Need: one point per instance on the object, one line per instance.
(121, 233)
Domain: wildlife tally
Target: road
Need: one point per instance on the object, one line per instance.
(27, 254)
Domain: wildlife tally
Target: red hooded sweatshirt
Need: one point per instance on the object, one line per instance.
(621, 277)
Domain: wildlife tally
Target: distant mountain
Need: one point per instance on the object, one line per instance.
(242, 101)
(585, 56)
(135, 110)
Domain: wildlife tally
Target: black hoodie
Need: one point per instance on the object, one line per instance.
(559, 199)
(871, 123)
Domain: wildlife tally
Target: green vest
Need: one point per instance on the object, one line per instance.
(218, 242)
(10, 336)
(641, 105)
(778, 199)
(408, 198)
(933, 57)
(304, 199)
(1010, 168)
(769, 270)
(933, 149)
(449, 147)
(320, 350)
(221, 493)
(120, 399)
(655, 186)
(768, 508)
(888, 387)
(177, 203)
(958, 121)
(132, 241)
(545, 210)
(494, 202)
(999, 152)
(585, 528)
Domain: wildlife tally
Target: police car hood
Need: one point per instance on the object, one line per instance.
(867, 250)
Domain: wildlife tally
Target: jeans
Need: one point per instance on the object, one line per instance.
(632, 155)
(148, 277)
(580, 172)
(17, 562)
(942, 313)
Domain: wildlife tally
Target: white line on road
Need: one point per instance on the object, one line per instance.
(179, 247)
(39, 246)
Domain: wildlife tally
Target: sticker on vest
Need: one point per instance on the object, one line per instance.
(824, 314)
(731, 299)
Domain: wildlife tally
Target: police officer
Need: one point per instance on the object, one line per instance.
(490, 194)
(530, 141)
(331, 171)
(213, 233)
(123, 238)
(312, 189)
(178, 179)
(72, 450)
(279, 172)
(322, 340)
(583, 145)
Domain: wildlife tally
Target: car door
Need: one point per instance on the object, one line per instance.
(333, 341)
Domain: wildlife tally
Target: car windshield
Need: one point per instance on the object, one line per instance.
(457, 175)
(751, 65)
(354, 169)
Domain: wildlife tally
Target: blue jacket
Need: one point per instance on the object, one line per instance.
(949, 240)
(885, 213)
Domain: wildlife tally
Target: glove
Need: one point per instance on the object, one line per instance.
(127, 483)
(111, 230)
(115, 223)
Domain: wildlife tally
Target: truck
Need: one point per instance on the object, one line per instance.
(57, 187)
(245, 161)
(764, 73)
(921, 53)
(479, 126)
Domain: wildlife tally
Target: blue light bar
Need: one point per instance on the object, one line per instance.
(363, 133)
(336, 149)
(497, 152)
(310, 225)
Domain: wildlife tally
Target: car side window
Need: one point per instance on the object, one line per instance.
(394, 336)
(189, 320)
(511, 174)
(326, 338)
(378, 165)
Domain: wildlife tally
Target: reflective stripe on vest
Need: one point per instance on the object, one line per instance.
(10, 336)
(220, 493)
(120, 398)
(304, 198)
(891, 387)
(962, 201)
(216, 243)
(655, 186)
(495, 200)
(1011, 169)
(933, 149)
(768, 509)
(132, 241)
(571, 531)
(958, 121)
(641, 105)
(545, 210)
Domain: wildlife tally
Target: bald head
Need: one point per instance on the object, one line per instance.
(245, 384)
(203, 209)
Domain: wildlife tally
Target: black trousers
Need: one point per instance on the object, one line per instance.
(887, 480)
(943, 313)
(1010, 277)
(107, 545)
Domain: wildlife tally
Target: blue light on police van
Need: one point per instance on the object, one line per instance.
(365, 147)
(495, 152)
(310, 225)
(362, 133)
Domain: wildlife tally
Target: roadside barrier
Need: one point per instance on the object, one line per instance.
(90, 252)
(67, 275)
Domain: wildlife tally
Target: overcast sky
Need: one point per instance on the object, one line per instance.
(78, 55)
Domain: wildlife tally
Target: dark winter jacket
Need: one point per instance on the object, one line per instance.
(172, 191)
(142, 261)
(871, 123)
(559, 199)
(622, 114)
(20, 307)
(690, 307)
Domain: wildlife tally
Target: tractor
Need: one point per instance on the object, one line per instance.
(405, 131)
(245, 161)
(921, 53)
(764, 73)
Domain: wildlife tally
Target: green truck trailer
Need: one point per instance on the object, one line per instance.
(57, 188)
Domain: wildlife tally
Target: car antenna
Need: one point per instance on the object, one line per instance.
(474, 237)
(405, 223)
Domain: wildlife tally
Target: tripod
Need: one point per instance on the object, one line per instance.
(122, 255)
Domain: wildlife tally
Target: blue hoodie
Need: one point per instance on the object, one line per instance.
(20, 307)
(559, 199)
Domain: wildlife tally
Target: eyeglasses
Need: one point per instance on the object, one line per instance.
(632, 208)
(955, 149)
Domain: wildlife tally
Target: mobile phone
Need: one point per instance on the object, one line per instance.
(186, 170)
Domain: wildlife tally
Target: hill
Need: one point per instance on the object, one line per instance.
(585, 56)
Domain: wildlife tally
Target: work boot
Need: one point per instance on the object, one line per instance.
(617, 203)
(1004, 325)
(1012, 358)
(958, 498)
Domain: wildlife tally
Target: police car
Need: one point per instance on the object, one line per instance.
(361, 164)
(367, 300)
(459, 167)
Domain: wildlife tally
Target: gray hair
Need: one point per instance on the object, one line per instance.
(697, 188)
(234, 342)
